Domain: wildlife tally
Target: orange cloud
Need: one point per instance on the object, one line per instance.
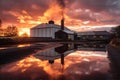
(76, 12)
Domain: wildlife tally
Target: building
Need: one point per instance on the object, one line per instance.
(64, 35)
(93, 35)
(48, 30)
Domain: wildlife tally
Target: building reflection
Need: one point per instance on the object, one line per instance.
(56, 53)
(60, 52)
(91, 47)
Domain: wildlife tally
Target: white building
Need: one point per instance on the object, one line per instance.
(46, 30)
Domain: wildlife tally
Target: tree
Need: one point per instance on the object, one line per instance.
(11, 31)
(116, 31)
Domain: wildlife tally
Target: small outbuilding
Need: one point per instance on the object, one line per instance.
(64, 35)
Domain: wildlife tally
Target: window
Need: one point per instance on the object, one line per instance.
(101, 36)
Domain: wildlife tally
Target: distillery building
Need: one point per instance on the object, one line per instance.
(51, 30)
(94, 35)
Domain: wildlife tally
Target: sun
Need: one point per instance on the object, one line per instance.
(24, 32)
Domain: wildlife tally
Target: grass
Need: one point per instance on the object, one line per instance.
(19, 40)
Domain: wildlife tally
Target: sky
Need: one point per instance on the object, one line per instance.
(77, 13)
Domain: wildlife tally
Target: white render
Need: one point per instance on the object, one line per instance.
(46, 30)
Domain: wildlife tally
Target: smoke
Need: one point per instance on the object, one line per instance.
(61, 3)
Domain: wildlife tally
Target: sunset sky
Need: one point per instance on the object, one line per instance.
(77, 13)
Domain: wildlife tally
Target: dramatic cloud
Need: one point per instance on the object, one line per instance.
(13, 10)
(96, 11)
(77, 12)
(61, 3)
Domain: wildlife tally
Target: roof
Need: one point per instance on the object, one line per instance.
(94, 33)
(68, 31)
(85, 33)
(46, 25)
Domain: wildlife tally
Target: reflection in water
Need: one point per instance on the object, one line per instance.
(59, 63)
(13, 46)
(2, 48)
(91, 47)
(55, 53)
(115, 71)
(23, 45)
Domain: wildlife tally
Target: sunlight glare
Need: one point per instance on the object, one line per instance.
(23, 31)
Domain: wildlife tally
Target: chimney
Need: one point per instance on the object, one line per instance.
(62, 24)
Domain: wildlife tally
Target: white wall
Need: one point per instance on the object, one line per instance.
(46, 31)
(43, 32)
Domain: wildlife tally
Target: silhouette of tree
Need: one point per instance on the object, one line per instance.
(116, 31)
(11, 31)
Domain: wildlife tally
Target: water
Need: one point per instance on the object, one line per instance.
(13, 46)
(67, 62)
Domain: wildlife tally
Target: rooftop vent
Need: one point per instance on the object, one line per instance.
(51, 22)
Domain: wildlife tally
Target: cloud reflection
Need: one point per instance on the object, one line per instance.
(75, 68)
